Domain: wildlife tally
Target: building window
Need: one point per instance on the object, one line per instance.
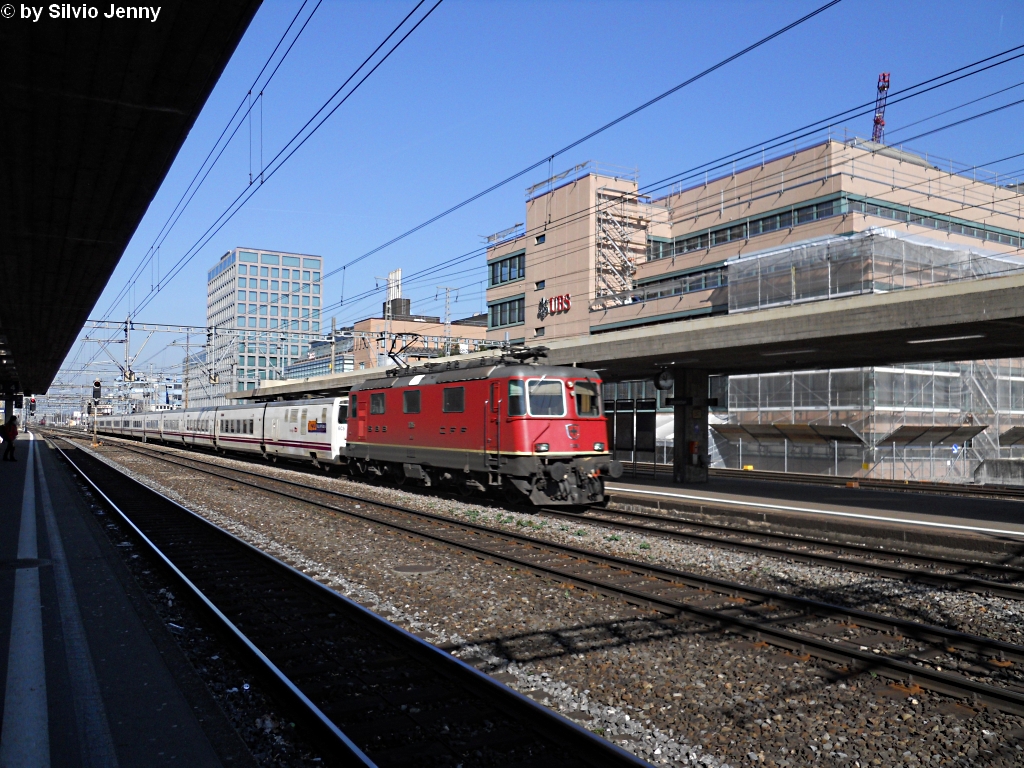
(752, 228)
(539, 239)
(539, 331)
(508, 270)
(540, 285)
(512, 312)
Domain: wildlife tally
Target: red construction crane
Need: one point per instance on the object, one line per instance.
(878, 131)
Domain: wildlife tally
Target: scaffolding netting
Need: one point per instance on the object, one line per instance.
(878, 260)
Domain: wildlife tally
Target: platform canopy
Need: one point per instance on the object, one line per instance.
(795, 433)
(1012, 436)
(92, 114)
(921, 436)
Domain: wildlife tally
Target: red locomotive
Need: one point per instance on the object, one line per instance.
(534, 432)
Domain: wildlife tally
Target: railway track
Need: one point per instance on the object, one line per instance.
(915, 654)
(370, 693)
(968, 575)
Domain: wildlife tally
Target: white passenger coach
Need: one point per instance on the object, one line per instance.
(306, 430)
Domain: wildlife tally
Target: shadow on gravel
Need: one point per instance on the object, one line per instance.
(913, 601)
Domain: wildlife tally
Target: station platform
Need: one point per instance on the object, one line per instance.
(945, 520)
(89, 675)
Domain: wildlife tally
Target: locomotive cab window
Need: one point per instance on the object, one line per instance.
(376, 403)
(545, 397)
(516, 398)
(353, 403)
(588, 399)
(342, 414)
(454, 399)
(411, 401)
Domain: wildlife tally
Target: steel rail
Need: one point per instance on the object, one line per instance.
(947, 580)
(892, 667)
(587, 746)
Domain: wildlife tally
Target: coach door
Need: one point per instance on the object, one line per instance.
(273, 430)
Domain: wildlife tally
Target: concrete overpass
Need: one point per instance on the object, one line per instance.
(968, 320)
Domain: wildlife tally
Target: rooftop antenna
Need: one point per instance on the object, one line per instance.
(878, 130)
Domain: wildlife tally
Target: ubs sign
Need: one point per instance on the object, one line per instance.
(554, 305)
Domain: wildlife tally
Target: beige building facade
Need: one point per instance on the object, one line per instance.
(596, 254)
(414, 339)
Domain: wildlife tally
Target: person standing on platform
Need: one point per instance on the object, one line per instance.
(10, 432)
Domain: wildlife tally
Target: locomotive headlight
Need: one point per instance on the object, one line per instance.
(598, 446)
(541, 447)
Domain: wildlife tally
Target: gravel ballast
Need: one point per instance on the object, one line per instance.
(668, 689)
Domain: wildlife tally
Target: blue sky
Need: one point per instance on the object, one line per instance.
(484, 88)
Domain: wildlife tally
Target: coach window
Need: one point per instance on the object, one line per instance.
(516, 398)
(411, 401)
(454, 399)
(376, 403)
(588, 399)
(545, 397)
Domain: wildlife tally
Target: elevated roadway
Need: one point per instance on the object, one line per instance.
(967, 320)
(956, 321)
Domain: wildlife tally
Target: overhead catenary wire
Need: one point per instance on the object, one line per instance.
(547, 159)
(656, 186)
(193, 187)
(758, 147)
(277, 162)
(431, 272)
(752, 150)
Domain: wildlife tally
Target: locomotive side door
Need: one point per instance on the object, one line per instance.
(492, 425)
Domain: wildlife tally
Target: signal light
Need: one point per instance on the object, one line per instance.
(32, 405)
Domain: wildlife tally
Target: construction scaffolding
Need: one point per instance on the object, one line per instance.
(981, 398)
(878, 260)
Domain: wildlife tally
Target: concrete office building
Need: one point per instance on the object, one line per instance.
(834, 219)
(264, 308)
